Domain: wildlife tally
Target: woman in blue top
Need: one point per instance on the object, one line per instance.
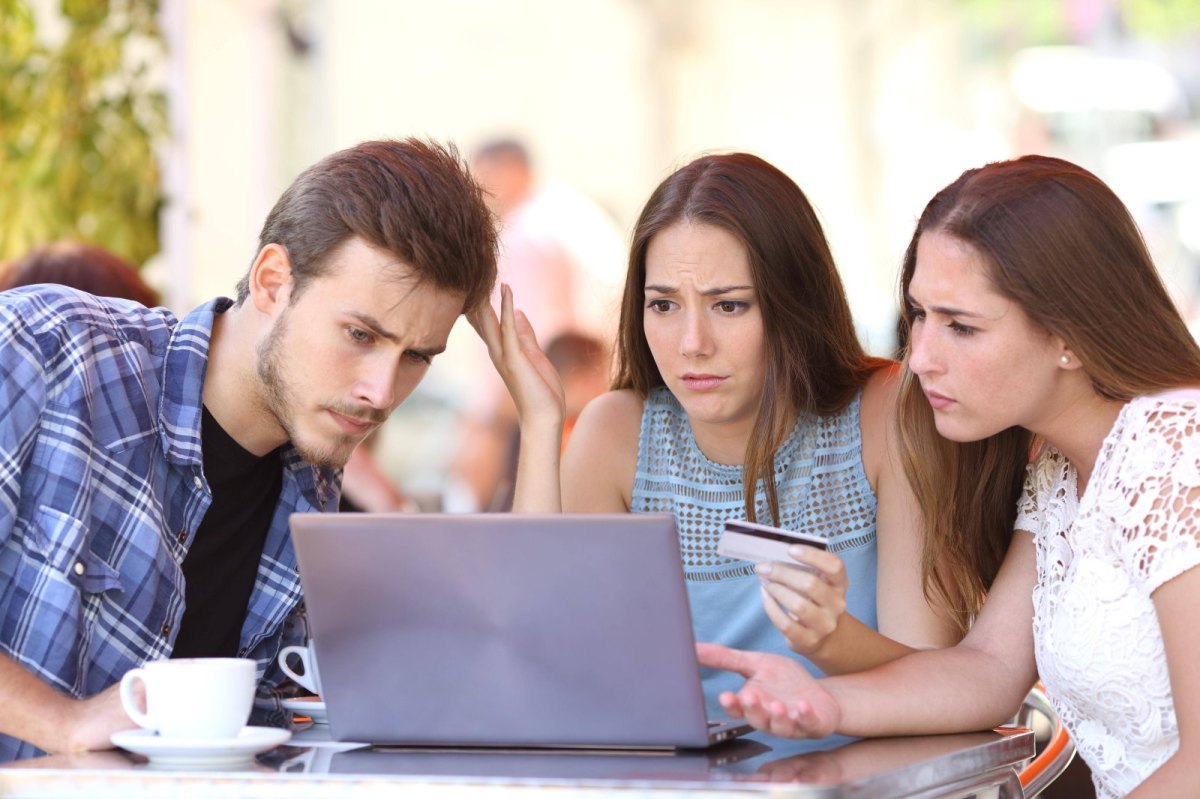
(742, 392)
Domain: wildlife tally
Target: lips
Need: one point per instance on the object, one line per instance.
(352, 425)
(701, 382)
(939, 402)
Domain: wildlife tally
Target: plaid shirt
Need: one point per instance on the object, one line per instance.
(102, 488)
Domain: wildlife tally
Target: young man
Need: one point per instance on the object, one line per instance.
(148, 464)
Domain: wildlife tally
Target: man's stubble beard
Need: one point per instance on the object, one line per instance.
(278, 398)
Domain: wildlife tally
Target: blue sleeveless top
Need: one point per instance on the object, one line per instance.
(823, 490)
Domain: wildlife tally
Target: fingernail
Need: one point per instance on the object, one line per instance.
(797, 551)
(762, 568)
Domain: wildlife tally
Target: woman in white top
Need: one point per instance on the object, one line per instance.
(1051, 388)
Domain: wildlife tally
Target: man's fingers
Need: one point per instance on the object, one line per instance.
(486, 324)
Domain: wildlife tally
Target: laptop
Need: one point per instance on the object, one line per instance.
(693, 765)
(504, 630)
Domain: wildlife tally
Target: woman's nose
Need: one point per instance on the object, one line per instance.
(921, 355)
(697, 337)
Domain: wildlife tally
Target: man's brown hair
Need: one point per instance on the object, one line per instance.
(412, 198)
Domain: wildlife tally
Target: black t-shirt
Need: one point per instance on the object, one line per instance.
(223, 560)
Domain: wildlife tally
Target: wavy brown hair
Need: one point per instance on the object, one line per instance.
(83, 266)
(815, 363)
(1058, 243)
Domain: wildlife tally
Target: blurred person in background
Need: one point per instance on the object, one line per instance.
(561, 255)
(582, 363)
(742, 392)
(1050, 418)
(79, 265)
(367, 487)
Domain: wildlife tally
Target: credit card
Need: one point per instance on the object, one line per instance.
(760, 542)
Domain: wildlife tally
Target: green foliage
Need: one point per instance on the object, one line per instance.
(1043, 22)
(79, 121)
(1169, 19)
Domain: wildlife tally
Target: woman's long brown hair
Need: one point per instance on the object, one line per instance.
(1058, 243)
(814, 362)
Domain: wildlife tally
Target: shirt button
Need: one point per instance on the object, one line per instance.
(182, 536)
(166, 630)
(198, 482)
(79, 568)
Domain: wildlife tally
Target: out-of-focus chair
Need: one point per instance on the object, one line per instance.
(1055, 748)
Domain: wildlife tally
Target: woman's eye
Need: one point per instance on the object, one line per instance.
(915, 315)
(961, 329)
(731, 306)
(659, 306)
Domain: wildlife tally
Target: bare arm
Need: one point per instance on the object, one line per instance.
(52, 721)
(1177, 603)
(601, 455)
(974, 685)
(538, 394)
(818, 627)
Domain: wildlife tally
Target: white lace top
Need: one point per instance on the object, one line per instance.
(1099, 558)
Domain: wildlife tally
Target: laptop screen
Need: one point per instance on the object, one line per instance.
(502, 629)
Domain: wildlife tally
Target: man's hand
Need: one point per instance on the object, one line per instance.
(779, 696)
(537, 392)
(531, 379)
(53, 721)
(88, 724)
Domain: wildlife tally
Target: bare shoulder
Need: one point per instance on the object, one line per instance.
(601, 455)
(881, 392)
(877, 418)
(623, 407)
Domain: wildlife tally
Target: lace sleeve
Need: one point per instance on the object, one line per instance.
(1153, 495)
(1040, 503)
(1028, 518)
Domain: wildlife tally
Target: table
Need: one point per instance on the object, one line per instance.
(982, 764)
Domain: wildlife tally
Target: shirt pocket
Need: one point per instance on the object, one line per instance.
(62, 541)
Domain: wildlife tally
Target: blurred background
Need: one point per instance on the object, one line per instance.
(165, 130)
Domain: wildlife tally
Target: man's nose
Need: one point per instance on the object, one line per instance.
(377, 386)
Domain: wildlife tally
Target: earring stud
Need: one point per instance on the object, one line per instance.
(1064, 359)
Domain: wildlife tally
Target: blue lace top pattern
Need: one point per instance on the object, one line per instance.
(823, 490)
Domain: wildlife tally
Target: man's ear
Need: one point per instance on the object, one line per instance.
(271, 279)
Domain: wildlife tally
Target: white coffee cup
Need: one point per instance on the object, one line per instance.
(310, 677)
(203, 698)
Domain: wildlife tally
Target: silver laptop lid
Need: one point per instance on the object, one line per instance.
(502, 629)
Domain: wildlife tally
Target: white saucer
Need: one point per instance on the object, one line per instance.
(198, 752)
(311, 706)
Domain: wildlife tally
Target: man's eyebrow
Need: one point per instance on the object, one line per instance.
(944, 310)
(375, 326)
(713, 292)
(428, 352)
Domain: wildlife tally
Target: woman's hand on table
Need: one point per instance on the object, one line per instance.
(779, 696)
